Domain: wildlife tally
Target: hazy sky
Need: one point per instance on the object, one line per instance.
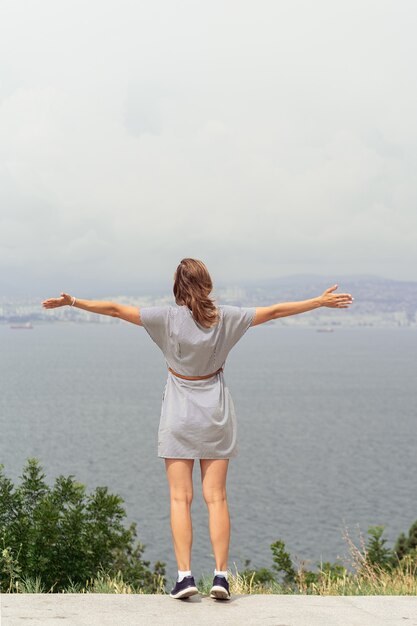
(264, 137)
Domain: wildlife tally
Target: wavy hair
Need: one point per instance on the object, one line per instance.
(192, 286)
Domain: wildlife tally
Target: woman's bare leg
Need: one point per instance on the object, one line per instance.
(180, 479)
(213, 480)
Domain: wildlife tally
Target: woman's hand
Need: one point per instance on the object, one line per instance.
(51, 303)
(335, 300)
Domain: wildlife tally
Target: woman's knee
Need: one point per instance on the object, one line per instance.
(181, 495)
(213, 479)
(179, 474)
(214, 494)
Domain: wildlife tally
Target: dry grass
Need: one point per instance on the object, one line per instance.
(365, 579)
(240, 583)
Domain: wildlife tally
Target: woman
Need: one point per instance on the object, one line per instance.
(198, 419)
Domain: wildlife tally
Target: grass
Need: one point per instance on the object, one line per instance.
(372, 582)
(365, 579)
(241, 583)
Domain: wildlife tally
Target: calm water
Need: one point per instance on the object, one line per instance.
(327, 432)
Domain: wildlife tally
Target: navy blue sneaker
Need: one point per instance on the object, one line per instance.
(184, 589)
(220, 588)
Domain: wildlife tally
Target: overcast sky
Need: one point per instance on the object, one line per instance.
(265, 138)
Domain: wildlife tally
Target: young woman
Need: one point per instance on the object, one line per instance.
(198, 419)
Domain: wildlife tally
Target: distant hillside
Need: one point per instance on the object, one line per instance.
(372, 294)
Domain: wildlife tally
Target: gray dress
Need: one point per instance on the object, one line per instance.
(197, 419)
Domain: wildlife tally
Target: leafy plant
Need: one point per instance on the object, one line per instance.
(59, 536)
(282, 562)
(376, 552)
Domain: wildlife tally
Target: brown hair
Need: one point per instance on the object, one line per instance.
(192, 285)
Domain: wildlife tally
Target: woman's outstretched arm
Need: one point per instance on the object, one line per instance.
(102, 307)
(284, 309)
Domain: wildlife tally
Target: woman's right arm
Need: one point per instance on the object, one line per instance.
(102, 307)
(284, 309)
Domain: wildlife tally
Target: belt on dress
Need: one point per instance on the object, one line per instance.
(196, 377)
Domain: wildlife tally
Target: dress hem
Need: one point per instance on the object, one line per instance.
(197, 458)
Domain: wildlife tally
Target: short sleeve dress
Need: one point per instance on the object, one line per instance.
(197, 419)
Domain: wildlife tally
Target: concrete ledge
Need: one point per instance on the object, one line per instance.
(161, 610)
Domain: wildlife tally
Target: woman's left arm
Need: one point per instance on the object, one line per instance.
(102, 307)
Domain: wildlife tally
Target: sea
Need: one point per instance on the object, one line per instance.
(327, 432)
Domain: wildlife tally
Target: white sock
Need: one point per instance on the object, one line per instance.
(218, 572)
(182, 573)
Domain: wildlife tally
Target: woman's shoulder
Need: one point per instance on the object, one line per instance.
(229, 308)
(238, 314)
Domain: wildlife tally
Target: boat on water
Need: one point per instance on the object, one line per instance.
(325, 330)
(24, 325)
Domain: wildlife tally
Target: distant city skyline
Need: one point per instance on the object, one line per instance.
(265, 139)
(378, 302)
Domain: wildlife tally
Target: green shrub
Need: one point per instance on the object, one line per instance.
(61, 536)
(406, 546)
(376, 552)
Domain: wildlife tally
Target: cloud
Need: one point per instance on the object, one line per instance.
(265, 139)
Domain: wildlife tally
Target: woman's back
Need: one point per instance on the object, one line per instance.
(189, 348)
